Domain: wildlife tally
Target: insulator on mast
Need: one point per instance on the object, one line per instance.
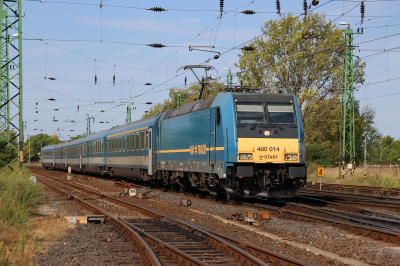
(278, 7)
(95, 80)
(362, 11)
(305, 8)
(114, 79)
(221, 6)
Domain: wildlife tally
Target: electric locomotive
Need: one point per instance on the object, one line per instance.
(238, 144)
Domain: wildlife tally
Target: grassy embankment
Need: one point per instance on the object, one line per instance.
(21, 228)
(379, 177)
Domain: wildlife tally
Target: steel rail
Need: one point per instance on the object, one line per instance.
(368, 190)
(346, 196)
(143, 248)
(375, 233)
(216, 240)
(353, 207)
(259, 251)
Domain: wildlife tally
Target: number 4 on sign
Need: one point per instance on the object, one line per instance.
(320, 172)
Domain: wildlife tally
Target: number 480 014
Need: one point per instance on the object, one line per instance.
(264, 148)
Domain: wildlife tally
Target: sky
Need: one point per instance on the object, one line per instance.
(74, 41)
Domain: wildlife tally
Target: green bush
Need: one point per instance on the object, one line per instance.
(19, 197)
(322, 155)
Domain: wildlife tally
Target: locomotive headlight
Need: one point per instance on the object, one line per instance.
(245, 156)
(287, 157)
(294, 157)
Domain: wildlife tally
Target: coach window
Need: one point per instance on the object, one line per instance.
(119, 143)
(150, 140)
(123, 142)
(115, 143)
(142, 140)
(137, 141)
(147, 140)
(133, 142)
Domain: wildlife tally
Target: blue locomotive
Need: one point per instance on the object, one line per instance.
(238, 144)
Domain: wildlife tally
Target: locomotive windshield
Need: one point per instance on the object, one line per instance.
(265, 113)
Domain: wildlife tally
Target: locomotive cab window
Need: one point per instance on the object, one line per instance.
(280, 113)
(265, 113)
(250, 113)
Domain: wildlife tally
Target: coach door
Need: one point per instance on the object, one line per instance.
(150, 147)
(80, 156)
(212, 136)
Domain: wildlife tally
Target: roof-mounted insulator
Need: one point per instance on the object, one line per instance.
(315, 2)
(95, 80)
(305, 8)
(157, 9)
(362, 11)
(156, 45)
(248, 12)
(278, 7)
(248, 48)
(114, 79)
(221, 6)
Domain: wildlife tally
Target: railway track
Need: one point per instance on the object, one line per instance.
(356, 189)
(385, 229)
(370, 201)
(178, 241)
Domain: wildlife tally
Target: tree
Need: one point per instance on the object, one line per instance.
(188, 95)
(7, 152)
(77, 137)
(303, 57)
(36, 142)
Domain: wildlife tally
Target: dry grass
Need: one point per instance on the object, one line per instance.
(18, 247)
(379, 177)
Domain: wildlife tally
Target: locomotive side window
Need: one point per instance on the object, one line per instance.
(142, 140)
(137, 147)
(217, 116)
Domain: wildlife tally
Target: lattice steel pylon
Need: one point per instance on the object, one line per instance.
(11, 95)
(347, 134)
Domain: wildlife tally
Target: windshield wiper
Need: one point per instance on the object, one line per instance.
(281, 128)
(256, 123)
